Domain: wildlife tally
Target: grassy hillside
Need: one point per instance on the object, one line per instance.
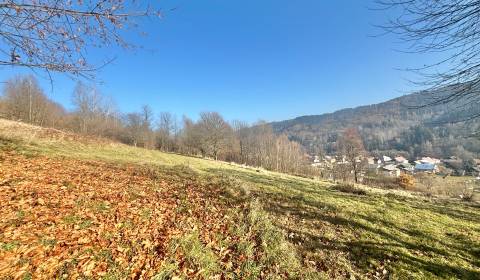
(75, 207)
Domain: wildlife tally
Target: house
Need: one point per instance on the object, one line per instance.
(401, 159)
(373, 160)
(330, 159)
(390, 170)
(373, 164)
(429, 160)
(406, 167)
(386, 159)
(426, 168)
(475, 170)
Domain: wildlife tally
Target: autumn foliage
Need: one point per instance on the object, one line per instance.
(406, 181)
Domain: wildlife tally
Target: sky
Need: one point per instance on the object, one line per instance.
(251, 60)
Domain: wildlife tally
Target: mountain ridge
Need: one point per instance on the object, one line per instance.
(390, 127)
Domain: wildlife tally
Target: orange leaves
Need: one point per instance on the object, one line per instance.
(82, 218)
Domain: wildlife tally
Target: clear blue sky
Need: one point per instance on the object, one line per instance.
(251, 60)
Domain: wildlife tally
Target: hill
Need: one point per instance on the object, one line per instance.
(74, 207)
(391, 127)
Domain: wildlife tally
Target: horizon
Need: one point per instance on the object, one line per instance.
(298, 62)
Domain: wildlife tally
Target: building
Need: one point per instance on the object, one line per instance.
(426, 168)
(373, 164)
(406, 167)
(401, 159)
(390, 170)
(429, 160)
(386, 159)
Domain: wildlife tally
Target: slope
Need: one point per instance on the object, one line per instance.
(79, 207)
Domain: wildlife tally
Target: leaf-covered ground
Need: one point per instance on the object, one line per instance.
(86, 210)
(65, 218)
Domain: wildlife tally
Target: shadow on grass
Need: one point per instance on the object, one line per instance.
(365, 238)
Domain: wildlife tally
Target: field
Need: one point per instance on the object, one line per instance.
(80, 208)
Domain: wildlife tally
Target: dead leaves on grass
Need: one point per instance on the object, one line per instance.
(68, 219)
(72, 219)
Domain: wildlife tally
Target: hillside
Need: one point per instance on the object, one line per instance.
(82, 208)
(390, 127)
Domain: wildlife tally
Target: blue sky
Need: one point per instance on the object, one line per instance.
(251, 60)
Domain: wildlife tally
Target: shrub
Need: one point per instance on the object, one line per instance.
(467, 194)
(349, 188)
(381, 181)
(406, 181)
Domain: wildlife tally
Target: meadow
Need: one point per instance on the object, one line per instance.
(188, 217)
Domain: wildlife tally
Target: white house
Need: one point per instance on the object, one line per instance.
(390, 170)
(386, 159)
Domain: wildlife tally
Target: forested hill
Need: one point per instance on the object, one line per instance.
(390, 127)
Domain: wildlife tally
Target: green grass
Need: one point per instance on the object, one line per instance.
(381, 234)
(388, 234)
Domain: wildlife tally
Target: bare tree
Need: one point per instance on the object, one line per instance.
(216, 133)
(241, 130)
(87, 102)
(448, 27)
(24, 100)
(191, 138)
(351, 146)
(133, 129)
(147, 136)
(55, 35)
(167, 130)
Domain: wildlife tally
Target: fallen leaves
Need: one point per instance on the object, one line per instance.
(69, 218)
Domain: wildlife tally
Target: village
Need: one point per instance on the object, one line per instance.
(395, 166)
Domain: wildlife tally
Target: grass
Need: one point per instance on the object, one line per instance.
(198, 255)
(376, 234)
(302, 225)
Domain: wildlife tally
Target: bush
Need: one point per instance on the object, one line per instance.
(467, 193)
(349, 188)
(381, 181)
(406, 181)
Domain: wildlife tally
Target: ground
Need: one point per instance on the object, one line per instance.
(74, 207)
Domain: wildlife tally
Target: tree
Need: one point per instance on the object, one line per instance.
(216, 133)
(191, 138)
(453, 29)
(242, 131)
(133, 128)
(87, 104)
(24, 100)
(351, 146)
(167, 130)
(147, 136)
(55, 35)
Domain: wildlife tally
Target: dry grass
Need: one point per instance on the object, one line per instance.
(451, 186)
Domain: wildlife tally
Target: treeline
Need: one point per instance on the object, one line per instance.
(209, 136)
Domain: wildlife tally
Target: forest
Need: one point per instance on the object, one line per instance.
(393, 128)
